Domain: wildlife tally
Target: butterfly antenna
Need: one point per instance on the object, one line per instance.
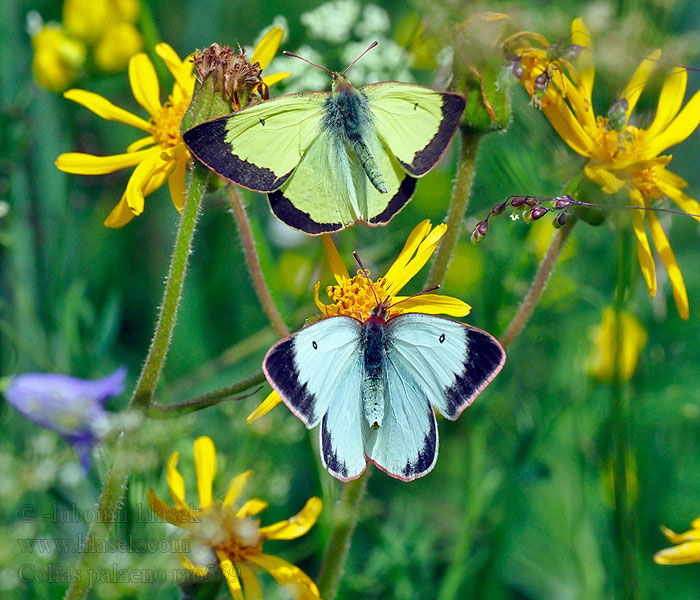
(372, 45)
(435, 287)
(307, 60)
(364, 272)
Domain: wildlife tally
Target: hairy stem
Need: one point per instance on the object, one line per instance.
(346, 514)
(538, 284)
(461, 191)
(160, 411)
(115, 482)
(253, 262)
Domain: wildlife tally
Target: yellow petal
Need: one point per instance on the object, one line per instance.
(646, 262)
(267, 48)
(684, 554)
(337, 267)
(324, 309)
(175, 516)
(229, 571)
(87, 164)
(176, 180)
(671, 179)
(148, 176)
(677, 538)
(297, 525)
(265, 407)
(144, 83)
(696, 523)
(670, 101)
(434, 304)
(251, 508)
(604, 178)
(565, 124)
(235, 487)
(680, 128)
(397, 279)
(205, 466)
(250, 583)
(581, 103)
(139, 144)
(181, 70)
(121, 214)
(414, 239)
(581, 36)
(199, 571)
(639, 80)
(176, 482)
(680, 295)
(105, 109)
(274, 78)
(297, 583)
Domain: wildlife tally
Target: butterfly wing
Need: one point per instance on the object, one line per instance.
(415, 123)
(318, 374)
(406, 444)
(259, 146)
(320, 195)
(451, 362)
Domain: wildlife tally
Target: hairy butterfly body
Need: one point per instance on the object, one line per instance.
(328, 160)
(372, 386)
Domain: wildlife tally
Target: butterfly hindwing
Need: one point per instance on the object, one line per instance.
(406, 444)
(309, 367)
(320, 195)
(344, 427)
(416, 123)
(260, 146)
(450, 361)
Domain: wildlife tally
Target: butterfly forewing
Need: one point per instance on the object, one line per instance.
(308, 368)
(452, 362)
(406, 444)
(416, 123)
(259, 146)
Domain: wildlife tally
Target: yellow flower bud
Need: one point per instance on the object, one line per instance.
(87, 19)
(119, 43)
(57, 57)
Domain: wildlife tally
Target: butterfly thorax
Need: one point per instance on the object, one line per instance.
(348, 119)
(374, 339)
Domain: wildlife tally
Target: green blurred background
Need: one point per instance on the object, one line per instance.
(519, 505)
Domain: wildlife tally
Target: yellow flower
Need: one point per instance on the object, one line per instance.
(633, 338)
(233, 535)
(160, 156)
(620, 156)
(57, 57)
(354, 296)
(90, 19)
(687, 549)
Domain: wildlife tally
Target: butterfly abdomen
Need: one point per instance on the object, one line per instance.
(348, 116)
(373, 385)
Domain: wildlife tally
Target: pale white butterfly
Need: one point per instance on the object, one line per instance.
(373, 384)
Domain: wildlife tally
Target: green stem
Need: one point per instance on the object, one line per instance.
(115, 482)
(466, 170)
(161, 411)
(253, 262)
(345, 515)
(624, 521)
(538, 284)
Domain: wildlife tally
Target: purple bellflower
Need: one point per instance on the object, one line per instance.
(69, 406)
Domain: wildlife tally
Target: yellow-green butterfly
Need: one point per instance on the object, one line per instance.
(328, 160)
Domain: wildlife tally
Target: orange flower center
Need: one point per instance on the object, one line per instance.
(355, 297)
(165, 126)
(221, 530)
(628, 147)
